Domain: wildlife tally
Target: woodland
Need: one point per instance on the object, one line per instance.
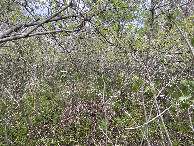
(96, 72)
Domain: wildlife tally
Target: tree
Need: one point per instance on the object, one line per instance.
(99, 72)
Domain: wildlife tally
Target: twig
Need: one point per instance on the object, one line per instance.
(15, 28)
(145, 114)
(5, 125)
(189, 45)
(131, 128)
(151, 32)
(190, 120)
(7, 32)
(105, 134)
(104, 108)
(30, 31)
(162, 120)
(46, 20)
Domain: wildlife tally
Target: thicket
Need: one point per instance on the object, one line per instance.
(123, 76)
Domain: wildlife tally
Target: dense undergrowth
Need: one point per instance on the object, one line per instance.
(71, 105)
(96, 72)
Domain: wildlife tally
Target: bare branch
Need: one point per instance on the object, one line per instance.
(55, 31)
(46, 20)
(190, 120)
(11, 30)
(51, 20)
(35, 34)
(162, 120)
(149, 120)
(15, 28)
(189, 45)
(38, 24)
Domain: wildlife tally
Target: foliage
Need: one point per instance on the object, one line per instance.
(96, 72)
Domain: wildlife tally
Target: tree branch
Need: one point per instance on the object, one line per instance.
(189, 45)
(54, 19)
(34, 34)
(7, 32)
(149, 120)
(39, 23)
(46, 20)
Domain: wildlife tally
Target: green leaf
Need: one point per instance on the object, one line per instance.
(70, 10)
(102, 125)
(161, 32)
(116, 27)
(116, 2)
(183, 82)
(185, 105)
(104, 31)
(135, 86)
(130, 26)
(177, 11)
(140, 80)
(121, 75)
(122, 5)
(117, 104)
(98, 22)
(48, 24)
(191, 83)
(118, 121)
(146, 89)
(137, 82)
(184, 98)
(153, 91)
(65, 34)
(192, 41)
(172, 109)
(136, 29)
(192, 101)
(182, 24)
